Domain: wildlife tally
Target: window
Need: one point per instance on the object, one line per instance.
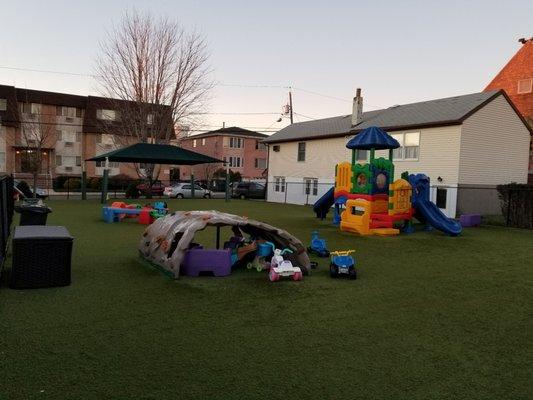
(409, 146)
(107, 115)
(235, 162)
(194, 143)
(311, 186)
(3, 104)
(59, 159)
(78, 161)
(236, 143)
(203, 142)
(98, 138)
(301, 151)
(279, 184)
(260, 145)
(361, 155)
(150, 119)
(59, 135)
(2, 157)
(78, 137)
(35, 108)
(276, 148)
(68, 161)
(101, 164)
(67, 111)
(441, 197)
(260, 163)
(525, 86)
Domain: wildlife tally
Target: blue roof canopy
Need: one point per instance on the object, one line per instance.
(373, 138)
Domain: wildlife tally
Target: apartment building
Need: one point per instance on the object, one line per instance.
(241, 148)
(66, 128)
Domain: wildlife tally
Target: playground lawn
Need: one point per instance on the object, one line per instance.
(430, 317)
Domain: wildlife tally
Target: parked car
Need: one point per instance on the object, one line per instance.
(249, 190)
(26, 191)
(157, 189)
(183, 190)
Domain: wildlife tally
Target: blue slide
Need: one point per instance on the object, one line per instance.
(322, 205)
(428, 212)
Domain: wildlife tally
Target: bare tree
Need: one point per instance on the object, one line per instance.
(37, 134)
(154, 74)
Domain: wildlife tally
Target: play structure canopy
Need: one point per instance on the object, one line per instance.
(372, 138)
(156, 154)
(165, 242)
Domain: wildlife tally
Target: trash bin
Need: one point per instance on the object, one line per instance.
(33, 212)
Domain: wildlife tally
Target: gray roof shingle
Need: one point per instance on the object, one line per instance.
(450, 110)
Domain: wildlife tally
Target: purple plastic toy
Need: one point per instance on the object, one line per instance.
(198, 260)
(470, 220)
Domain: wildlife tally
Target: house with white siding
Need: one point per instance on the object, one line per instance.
(462, 143)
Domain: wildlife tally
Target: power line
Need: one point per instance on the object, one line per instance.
(321, 94)
(305, 116)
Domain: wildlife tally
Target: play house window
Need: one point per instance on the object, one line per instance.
(301, 151)
(361, 180)
(311, 186)
(409, 146)
(381, 181)
(279, 185)
(358, 210)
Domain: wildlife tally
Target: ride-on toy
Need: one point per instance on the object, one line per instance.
(318, 246)
(342, 263)
(280, 267)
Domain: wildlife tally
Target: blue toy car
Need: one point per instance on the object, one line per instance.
(342, 263)
(318, 246)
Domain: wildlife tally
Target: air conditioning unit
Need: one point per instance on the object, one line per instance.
(31, 142)
(69, 119)
(68, 169)
(69, 144)
(108, 146)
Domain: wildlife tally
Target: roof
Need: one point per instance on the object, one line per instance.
(156, 154)
(519, 67)
(373, 138)
(230, 131)
(447, 111)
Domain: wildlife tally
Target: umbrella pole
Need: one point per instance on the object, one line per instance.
(227, 182)
(192, 182)
(105, 177)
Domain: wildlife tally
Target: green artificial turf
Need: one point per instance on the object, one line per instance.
(430, 317)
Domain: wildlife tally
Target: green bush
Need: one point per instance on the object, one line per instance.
(72, 183)
(119, 182)
(131, 191)
(94, 183)
(59, 182)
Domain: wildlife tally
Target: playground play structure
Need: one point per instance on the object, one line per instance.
(368, 201)
(168, 244)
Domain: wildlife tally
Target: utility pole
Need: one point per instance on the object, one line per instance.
(290, 104)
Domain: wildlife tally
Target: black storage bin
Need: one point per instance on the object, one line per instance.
(33, 214)
(41, 257)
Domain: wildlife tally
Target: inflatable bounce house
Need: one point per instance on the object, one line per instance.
(368, 201)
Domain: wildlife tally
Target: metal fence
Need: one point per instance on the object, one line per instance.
(511, 207)
(6, 214)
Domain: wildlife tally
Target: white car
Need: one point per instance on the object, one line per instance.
(183, 190)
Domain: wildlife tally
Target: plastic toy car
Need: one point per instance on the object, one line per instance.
(342, 263)
(280, 267)
(318, 246)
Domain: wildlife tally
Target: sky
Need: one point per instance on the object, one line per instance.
(398, 52)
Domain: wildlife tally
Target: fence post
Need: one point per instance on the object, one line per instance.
(68, 187)
(508, 216)
(286, 190)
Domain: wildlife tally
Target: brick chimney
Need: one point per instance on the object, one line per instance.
(357, 111)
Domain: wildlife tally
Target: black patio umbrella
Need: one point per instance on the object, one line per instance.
(152, 154)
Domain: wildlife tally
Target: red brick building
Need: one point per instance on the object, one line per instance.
(241, 148)
(516, 78)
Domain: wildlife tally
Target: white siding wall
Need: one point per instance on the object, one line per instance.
(438, 156)
(494, 146)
